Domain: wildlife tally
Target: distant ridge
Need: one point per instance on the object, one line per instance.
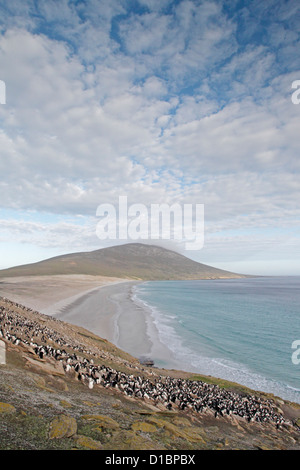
(133, 261)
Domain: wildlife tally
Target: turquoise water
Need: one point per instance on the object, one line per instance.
(240, 329)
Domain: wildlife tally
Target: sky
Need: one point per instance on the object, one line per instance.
(161, 102)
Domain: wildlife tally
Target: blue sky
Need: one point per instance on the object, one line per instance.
(164, 101)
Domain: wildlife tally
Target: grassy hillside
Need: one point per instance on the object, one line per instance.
(135, 261)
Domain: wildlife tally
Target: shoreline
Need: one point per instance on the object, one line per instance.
(111, 313)
(103, 305)
(108, 309)
(61, 383)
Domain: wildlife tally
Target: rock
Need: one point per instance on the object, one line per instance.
(89, 403)
(54, 368)
(102, 421)
(60, 384)
(262, 447)
(40, 382)
(225, 442)
(179, 421)
(192, 435)
(117, 406)
(62, 426)
(129, 440)
(88, 443)
(142, 426)
(65, 404)
(7, 408)
(187, 433)
(235, 421)
(291, 440)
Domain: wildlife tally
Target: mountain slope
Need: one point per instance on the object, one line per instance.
(44, 405)
(134, 260)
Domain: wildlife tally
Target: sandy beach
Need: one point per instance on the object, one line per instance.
(100, 304)
(47, 294)
(111, 313)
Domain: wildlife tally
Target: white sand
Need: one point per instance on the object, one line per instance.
(47, 294)
(110, 313)
(100, 304)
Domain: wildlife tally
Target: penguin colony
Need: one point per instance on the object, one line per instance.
(172, 393)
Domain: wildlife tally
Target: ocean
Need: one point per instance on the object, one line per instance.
(241, 330)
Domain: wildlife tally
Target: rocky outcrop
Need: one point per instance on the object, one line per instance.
(62, 426)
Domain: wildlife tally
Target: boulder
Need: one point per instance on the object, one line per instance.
(62, 426)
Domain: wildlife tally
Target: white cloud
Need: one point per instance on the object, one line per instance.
(163, 104)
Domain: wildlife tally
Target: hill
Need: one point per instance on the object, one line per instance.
(131, 261)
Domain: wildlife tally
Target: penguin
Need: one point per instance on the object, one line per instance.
(91, 383)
